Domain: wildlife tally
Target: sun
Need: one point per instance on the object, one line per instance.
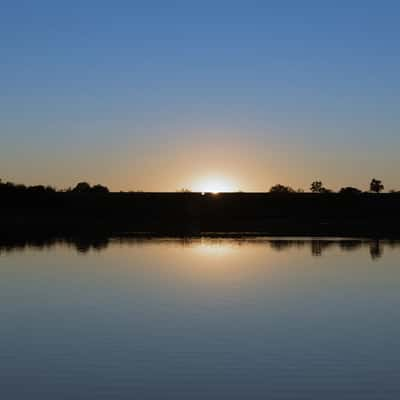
(214, 185)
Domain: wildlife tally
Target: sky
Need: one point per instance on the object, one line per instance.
(161, 95)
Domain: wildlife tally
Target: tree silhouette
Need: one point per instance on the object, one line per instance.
(99, 189)
(376, 186)
(281, 189)
(318, 187)
(38, 189)
(82, 187)
(348, 190)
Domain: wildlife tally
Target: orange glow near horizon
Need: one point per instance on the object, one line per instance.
(214, 185)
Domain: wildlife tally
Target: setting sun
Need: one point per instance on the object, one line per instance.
(214, 185)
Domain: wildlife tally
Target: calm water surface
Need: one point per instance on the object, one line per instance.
(200, 319)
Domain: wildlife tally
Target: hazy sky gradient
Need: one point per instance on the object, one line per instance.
(157, 95)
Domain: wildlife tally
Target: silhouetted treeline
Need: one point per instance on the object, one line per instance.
(375, 186)
(81, 187)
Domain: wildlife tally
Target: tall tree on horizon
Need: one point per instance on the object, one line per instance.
(318, 187)
(376, 186)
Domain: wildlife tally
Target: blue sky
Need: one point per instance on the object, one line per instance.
(158, 95)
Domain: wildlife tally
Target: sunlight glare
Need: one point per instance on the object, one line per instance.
(214, 185)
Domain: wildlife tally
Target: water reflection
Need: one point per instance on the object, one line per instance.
(213, 246)
(199, 318)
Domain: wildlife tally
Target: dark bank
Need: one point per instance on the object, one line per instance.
(61, 213)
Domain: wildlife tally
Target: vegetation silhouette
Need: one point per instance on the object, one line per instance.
(84, 187)
(376, 186)
(281, 189)
(281, 211)
(350, 191)
(375, 249)
(318, 187)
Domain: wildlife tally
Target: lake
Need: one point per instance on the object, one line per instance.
(201, 318)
